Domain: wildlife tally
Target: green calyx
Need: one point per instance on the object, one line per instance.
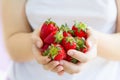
(46, 53)
(59, 36)
(53, 51)
(74, 60)
(49, 21)
(70, 39)
(71, 32)
(80, 26)
(80, 42)
(65, 28)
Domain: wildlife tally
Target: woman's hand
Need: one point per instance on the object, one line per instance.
(83, 58)
(44, 60)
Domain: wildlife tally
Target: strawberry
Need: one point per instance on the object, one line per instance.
(81, 44)
(69, 43)
(47, 28)
(85, 49)
(65, 34)
(44, 47)
(54, 37)
(55, 52)
(66, 30)
(80, 29)
(70, 59)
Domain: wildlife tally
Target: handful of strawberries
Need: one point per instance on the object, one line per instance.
(58, 40)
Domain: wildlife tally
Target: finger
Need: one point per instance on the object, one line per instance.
(70, 67)
(92, 52)
(91, 33)
(38, 42)
(58, 69)
(37, 31)
(78, 55)
(51, 65)
(38, 56)
(36, 39)
(61, 73)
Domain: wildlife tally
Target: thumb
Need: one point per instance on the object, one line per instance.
(77, 55)
(36, 38)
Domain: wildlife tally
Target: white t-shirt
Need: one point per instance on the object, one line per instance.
(99, 14)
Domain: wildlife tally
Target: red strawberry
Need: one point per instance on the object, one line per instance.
(65, 34)
(47, 28)
(70, 59)
(66, 30)
(54, 37)
(85, 50)
(56, 52)
(69, 43)
(81, 44)
(80, 30)
(44, 47)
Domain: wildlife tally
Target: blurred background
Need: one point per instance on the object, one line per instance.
(4, 59)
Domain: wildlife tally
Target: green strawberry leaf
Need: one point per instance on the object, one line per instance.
(74, 60)
(59, 36)
(70, 39)
(64, 28)
(81, 26)
(80, 42)
(46, 53)
(53, 50)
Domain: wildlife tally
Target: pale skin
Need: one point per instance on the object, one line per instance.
(23, 44)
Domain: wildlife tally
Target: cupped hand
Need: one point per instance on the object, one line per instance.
(83, 58)
(53, 66)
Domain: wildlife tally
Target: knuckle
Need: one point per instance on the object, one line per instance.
(77, 71)
(41, 61)
(71, 73)
(54, 63)
(55, 70)
(44, 62)
(51, 64)
(45, 67)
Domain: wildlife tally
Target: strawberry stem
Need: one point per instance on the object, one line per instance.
(64, 27)
(50, 21)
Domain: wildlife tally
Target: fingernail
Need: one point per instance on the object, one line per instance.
(47, 60)
(60, 68)
(56, 63)
(61, 62)
(38, 44)
(70, 53)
